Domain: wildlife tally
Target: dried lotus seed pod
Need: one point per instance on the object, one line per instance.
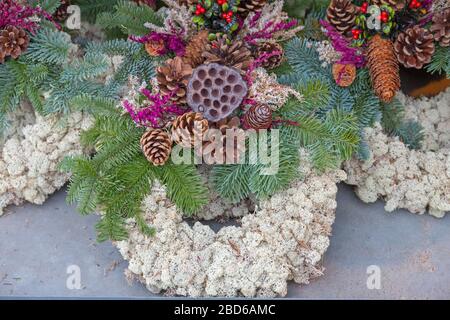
(215, 91)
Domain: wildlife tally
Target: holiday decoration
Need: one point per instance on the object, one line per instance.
(229, 53)
(189, 128)
(441, 27)
(383, 68)
(13, 41)
(173, 78)
(258, 117)
(198, 105)
(414, 47)
(342, 14)
(215, 91)
(276, 52)
(344, 74)
(156, 146)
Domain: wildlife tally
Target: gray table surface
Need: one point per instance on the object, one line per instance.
(412, 254)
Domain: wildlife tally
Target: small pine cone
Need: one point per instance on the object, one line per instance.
(195, 49)
(395, 4)
(342, 15)
(13, 42)
(61, 13)
(156, 146)
(414, 47)
(216, 151)
(231, 53)
(383, 68)
(173, 77)
(441, 27)
(247, 6)
(344, 74)
(270, 48)
(189, 128)
(258, 117)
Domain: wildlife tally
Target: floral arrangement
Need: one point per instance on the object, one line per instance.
(387, 34)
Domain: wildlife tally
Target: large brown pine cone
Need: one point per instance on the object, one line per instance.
(441, 27)
(258, 117)
(156, 146)
(247, 6)
(216, 151)
(13, 42)
(383, 68)
(414, 47)
(173, 77)
(396, 4)
(231, 53)
(269, 48)
(188, 129)
(342, 14)
(195, 49)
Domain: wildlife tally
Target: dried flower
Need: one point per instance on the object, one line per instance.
(170, 43)
(155, 110)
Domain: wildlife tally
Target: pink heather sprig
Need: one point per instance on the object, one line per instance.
(172, 43)
(14, 14)
(258, 62)
(349, 55)
(152, 115)
(268, 31)
(255, 19)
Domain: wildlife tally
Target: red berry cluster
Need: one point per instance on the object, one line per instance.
(221, 2)
(356, 33)
(364, 7)
(415, 4)
(227, 16)
(199, 10)
(384, 16)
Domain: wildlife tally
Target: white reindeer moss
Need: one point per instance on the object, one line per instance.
(31, 152)
(418, 181)
(283, 240)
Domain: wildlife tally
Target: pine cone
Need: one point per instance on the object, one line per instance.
(61, 13)
(344, 74)
(156, 146)
(258, 117)
(269, 48)
(247, 6)
(342, 14)
(189, 128)
(414, 47)
(13, 42)
(441, 27)
(232, 53)
(195, 49)
(215, 151)
(383, 68)
(395, 4)
(173, 78)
